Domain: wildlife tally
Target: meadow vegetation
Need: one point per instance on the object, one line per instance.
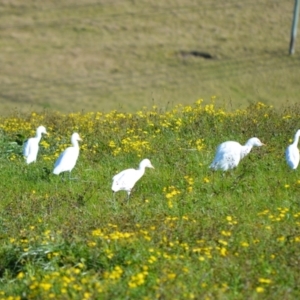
(185, 233)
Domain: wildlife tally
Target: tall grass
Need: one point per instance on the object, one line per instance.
(185, 233)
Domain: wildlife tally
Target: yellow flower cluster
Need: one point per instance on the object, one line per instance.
(231, 220)
(139, 278)
(115, 274)
(170, 193)
(128, 133)
(190, 182)
(275, 217)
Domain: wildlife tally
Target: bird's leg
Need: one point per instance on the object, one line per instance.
(114, 200)
(70, 178)
(128, 195)
(63, 177)
(224, 176)
(213, 180)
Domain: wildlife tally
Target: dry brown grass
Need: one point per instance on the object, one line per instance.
(67, 56)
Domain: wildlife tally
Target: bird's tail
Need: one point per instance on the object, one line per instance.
(56, 171)
(29, 160)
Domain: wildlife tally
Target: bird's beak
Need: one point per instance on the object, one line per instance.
(152, 167)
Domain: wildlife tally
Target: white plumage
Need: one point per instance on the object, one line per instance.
(292, 152)
(230, 153)
(125, 180)
(31, 147)
(67, 160)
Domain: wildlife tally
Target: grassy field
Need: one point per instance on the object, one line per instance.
(100, 55)
(186, 232)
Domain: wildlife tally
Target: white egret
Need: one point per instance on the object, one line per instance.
(67, 159)
(230, 153)
(125, 180)
(292, 152)
(31, 146)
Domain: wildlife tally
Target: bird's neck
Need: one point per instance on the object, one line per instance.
(38, 136)
(141, 169)
(75, 144)
(246, 150)
(296, 139)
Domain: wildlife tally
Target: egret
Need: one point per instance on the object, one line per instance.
(67, 159)
(230, 153)
(125, 180)
(292, 152)
(31, 147)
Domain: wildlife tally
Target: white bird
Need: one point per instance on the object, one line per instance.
(67, 159)
(31, 147)
(125, 180)
(230, 153)
(292, 152)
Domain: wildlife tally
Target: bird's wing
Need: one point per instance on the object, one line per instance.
(67, 160)
(292, 156)
(222, 151)
(228, 146)
(227, 155)
(119, 175)
(124, 180)
(31, 150)
(26, 148)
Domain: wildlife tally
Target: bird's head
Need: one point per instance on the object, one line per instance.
(146, 163)
(76, 137)
(255, 142)
(41, 129)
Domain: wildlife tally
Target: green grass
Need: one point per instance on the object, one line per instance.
(66, 56)
(186, 232)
